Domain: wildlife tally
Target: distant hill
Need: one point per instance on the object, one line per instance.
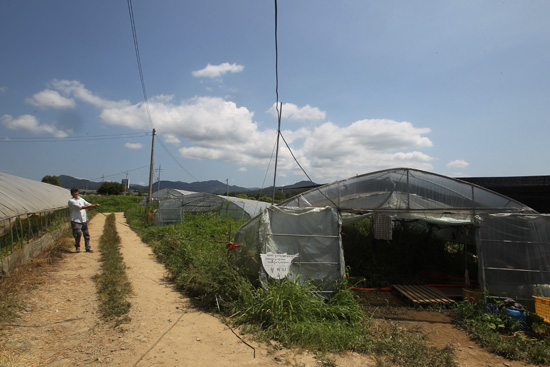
(69, 182)
(212, 186)
(533, 191)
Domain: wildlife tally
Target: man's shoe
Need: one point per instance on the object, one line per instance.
(89, 250)
(77, 249)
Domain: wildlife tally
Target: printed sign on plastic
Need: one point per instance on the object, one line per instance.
(277, 265)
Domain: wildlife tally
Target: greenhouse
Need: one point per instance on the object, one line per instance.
(28, 209)
(173, 207)
(505, 244)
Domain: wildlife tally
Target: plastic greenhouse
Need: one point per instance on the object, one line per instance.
(172, 207)
(511, 240)
(27, 209)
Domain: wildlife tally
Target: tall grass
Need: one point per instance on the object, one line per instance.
(287, 312)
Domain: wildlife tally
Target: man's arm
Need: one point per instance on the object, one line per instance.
(90, 206)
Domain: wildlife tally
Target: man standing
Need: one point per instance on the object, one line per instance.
(79, 219)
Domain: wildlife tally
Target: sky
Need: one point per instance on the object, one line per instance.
(458, 88)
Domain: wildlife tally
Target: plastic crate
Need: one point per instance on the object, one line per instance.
(542, 307)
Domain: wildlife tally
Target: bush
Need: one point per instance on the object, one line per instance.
(110, 188)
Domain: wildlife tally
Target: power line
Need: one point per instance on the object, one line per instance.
(138, 59)
(7, 139)
(120, 173)
(174, 158)
(280, 111)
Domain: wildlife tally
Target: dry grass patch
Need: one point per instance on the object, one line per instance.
(15, 286)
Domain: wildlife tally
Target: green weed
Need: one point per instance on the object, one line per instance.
(293, 314)
(498, 333)
(112, 283)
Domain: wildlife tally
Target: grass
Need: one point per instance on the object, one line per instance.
(112, 284)
(499, 333)
(113, 203)
(288, 313)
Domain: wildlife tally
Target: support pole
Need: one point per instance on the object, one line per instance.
(279, 113)
(149, 199)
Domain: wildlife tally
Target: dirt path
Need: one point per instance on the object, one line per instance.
(60, 325)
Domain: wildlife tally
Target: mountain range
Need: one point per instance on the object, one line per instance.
(212, 186)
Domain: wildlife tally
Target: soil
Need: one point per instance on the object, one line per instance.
(60, 325)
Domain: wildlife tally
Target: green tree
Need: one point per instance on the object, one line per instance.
(110, 188)
(52, 180)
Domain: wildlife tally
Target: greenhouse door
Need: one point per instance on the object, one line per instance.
(311, 239)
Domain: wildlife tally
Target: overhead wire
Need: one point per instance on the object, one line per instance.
(142, 79)
(280, 111)
(138, 59)
(279, 117)
(120, 173)
(71, 138)
(174, 158)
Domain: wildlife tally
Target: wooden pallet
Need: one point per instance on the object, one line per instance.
(423, 295)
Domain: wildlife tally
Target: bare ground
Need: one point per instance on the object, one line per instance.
(60, 325)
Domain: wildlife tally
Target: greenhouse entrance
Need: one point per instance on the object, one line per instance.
(381, 254)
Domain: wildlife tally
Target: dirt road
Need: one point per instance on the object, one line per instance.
(61, 327)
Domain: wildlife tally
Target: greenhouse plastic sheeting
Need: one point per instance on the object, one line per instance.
(512, 239)
(20, 196)
(251, 207)
(176, 203)
(310, 233)
(515, 253)
(406, 190)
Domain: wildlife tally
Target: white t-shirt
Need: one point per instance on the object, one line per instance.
(77, 213)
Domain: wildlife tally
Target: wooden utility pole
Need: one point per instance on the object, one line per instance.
(150, 198)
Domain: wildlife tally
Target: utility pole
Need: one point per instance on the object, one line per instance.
(150, 198)
(227, 187)
(126, 185)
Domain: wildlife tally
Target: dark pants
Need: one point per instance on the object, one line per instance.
(80, 229)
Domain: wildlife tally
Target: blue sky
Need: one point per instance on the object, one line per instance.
(459, 88)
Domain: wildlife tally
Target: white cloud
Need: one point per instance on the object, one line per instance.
(172, 139)
(293, 112)
(3, 89)
(458, 163)
(242, 169)
(31, 124)
(133, 145)
(77, 90)
(216, 71)
(50, 98)
(213, 128)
